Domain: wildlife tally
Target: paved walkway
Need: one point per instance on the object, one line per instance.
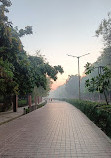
(57, 130)
(10, 115)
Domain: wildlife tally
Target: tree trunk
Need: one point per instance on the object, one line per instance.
(106, 98)
(7, 103)
(15, 103)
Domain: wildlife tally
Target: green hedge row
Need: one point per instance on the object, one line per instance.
(22, 102)
(41, 104)
(34, 107)
(100, 114)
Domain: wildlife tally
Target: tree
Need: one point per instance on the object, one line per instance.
(11, 48)
(22, 72)
(8, 86)
(3, 10)
(40, 69)
(72, 86)
(105, 30)
(6, 78)
(99, 83)
(40, 91)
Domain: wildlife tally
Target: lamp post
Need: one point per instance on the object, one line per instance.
(78, 57)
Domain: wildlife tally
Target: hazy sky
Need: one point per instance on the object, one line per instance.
(61, 27)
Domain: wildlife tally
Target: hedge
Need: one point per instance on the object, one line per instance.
(100, 114)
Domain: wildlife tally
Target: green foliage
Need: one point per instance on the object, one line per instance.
(105, 58)
(7, 84)
(88, 68)
(40, 91)
(34, 107)
(11, 51)
(22, 103)
(100, 114)
(99, 83)
(105, 30)
(40, 69)
(3, 10)
(6, 3)
(41, 104)
(22, 32)
(19, 72)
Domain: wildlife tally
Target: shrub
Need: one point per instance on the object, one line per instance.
(42, 104)
(97, 112)
(22, 103)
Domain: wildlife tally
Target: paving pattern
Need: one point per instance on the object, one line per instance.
(10, 115)
(57, 130)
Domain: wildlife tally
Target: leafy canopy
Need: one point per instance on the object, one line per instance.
(22, 72)
(99, 83)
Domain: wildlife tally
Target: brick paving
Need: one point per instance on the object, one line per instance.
(57, 130)
(10, 115)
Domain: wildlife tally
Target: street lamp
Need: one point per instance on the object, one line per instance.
(78, 57)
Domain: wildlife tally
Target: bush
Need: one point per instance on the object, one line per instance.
(98, 113)
(1, 99)
(34, 107)
(42, 104)
(5, 103)
(22, 103)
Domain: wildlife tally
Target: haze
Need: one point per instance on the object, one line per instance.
(61, 27)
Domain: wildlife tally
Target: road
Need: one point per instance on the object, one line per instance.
(57, 130)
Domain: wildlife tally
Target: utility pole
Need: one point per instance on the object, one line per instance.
(78, 57)
(79, 78)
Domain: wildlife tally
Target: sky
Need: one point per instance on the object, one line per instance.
(61, 27)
